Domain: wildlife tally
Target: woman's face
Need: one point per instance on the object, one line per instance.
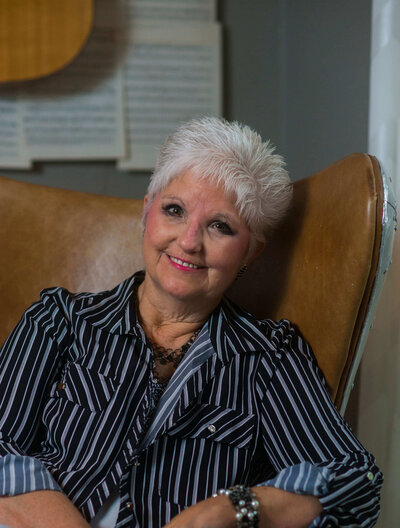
(194, 241)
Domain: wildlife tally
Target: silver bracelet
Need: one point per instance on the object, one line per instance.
(245, 503)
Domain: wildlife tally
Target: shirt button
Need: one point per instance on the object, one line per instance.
(136, 463)
(212, 428)
(370, 475)
(61, 385)
(129, 506)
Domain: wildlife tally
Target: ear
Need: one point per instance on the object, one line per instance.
(145, 206)
(256, 250)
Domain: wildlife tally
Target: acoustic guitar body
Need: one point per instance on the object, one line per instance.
(38, 37)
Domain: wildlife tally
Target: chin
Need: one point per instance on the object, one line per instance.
(181, 292)
(184, 292)
(187, 288)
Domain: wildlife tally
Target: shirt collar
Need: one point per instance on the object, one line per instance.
(231, 329)
(115, 310)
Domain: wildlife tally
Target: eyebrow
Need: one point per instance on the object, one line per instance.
(217, 215)
(225, 217)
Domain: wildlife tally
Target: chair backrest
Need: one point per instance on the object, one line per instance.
(55, 237)
(319, 268)
(324, 267)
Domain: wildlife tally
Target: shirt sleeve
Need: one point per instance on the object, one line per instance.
(29, 363)
(312, 449)
(21, 474)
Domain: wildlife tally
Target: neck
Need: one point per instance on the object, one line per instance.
(166, 320)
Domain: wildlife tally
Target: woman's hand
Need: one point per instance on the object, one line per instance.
(216, 512)
(278, 509)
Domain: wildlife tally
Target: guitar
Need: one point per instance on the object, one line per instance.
(39, 37)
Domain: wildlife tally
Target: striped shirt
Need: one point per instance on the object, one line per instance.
(247, 405)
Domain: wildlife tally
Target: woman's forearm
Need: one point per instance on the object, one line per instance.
(282, 509)
(40, 509)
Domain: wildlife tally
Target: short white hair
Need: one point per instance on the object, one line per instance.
(233, 156)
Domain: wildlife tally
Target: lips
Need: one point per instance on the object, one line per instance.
(183, 263)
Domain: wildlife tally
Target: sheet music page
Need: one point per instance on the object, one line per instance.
(12, 155)
(77, 113)
(171, 74)
(166, 11)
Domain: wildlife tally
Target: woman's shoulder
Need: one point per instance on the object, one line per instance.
(62, 300)
(280, 337)
(268, 326)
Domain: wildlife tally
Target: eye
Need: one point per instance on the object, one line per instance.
(173, 210)
(222, 227)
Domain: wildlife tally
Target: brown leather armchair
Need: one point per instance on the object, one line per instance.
(323, 267)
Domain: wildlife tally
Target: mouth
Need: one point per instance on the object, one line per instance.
(183, 264)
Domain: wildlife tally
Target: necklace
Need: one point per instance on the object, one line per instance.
(162, 354)
(169, 355)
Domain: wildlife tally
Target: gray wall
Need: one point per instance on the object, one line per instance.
(254, 64)
(327, 81)
(295, 70)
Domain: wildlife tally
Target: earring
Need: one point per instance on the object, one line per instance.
(242, 271)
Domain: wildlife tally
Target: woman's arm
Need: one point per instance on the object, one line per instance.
(40, 509)
(278, 509)
(29, 361)
(313, 450)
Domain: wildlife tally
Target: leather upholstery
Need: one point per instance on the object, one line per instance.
(317, 270)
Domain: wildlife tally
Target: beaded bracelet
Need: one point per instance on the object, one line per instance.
(245, 503)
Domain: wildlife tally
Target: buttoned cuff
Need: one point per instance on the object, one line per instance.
(21, 474)
(303, 479)
(306, 479)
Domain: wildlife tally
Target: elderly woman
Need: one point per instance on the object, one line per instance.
(161, 403)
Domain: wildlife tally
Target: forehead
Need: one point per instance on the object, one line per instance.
(189, 186)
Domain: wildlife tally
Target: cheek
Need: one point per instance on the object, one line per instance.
(150, 241)
(231, 256)
(153, 231)
(150, 221)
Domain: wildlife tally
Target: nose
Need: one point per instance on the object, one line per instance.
(191, 238)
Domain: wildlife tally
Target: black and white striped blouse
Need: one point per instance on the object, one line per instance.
(247, 402)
